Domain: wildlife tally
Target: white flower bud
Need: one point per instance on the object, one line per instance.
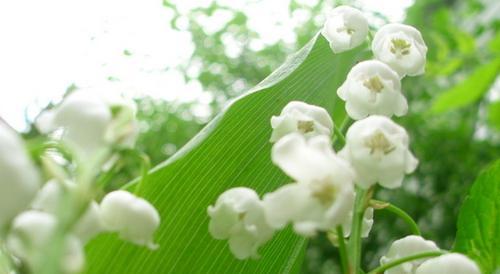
(345, 28)
(19, 178)
(366, 226)
(90, 121)
(377, 148)
(134, 218)
(401, 47)
(453, 263)
(308, 120)
(32, 231)
(405, 247)
(238, 216)
(372, 87)
(49, 199)
(323, 194)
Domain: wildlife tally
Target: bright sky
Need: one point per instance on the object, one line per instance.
(48, 45)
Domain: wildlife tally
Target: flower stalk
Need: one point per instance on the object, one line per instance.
(398, 212)
(362, 196)
(343, 250)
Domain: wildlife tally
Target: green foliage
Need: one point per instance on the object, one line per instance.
(479, 221)
(469, 90)
(233, 150)
(494, 115)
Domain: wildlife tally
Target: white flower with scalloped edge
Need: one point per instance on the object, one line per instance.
(453, 263)
(238, 217)
(401, 47)
(50, 199)
(345, 28)
(407, 246)
(308, 120)
(378, 150)
(32, 231)
(134, 218)
(372, 87)
(90, 121)
(323, 194)
(19, 177)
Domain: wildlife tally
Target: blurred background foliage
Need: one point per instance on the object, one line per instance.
(454, 119)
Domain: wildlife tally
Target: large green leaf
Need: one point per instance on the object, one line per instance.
(233, 150)
(479, 221)
(494, 114)
(469, 90)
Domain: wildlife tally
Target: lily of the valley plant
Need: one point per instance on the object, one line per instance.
(54, 200)
(332, 192)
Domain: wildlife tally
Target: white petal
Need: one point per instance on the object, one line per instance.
(48, 199)
(74, 257)
(378, 150)
(223, 218)
(279, 210)
(413, 61)
(89, 224)
(238, 215)
(298, 159)
(372, 88)
(452, 263)
(243, 245)
(20, 179)
(134, 218)
(404, 247)
(299, 117)
(345, 28)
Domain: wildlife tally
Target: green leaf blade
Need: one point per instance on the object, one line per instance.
(469, 90)
(233, 150)
(478, 234)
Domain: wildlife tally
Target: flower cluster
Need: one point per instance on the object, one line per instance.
(84, 132)
(375, 152)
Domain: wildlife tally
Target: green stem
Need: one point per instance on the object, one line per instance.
(339, 131)
(343, 250)
(357, 222)
(146, 166)
(399, 212)
(382, 268)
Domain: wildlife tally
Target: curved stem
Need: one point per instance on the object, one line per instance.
(339, 131)
(382, 268)
(343, 251)
(146, 166)
(376, 204)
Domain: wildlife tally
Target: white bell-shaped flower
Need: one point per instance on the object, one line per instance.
(377, 148)
(32, 231)
(453, 263)
(134, 218)
(405, 247)
(19, 178)
(49, 199)
(238, 216)
(323, 194)
(83, 119)
(308, 120)
(366, 226)
(401, 47)
(372, 87)
(345, 28)
(90, 121)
